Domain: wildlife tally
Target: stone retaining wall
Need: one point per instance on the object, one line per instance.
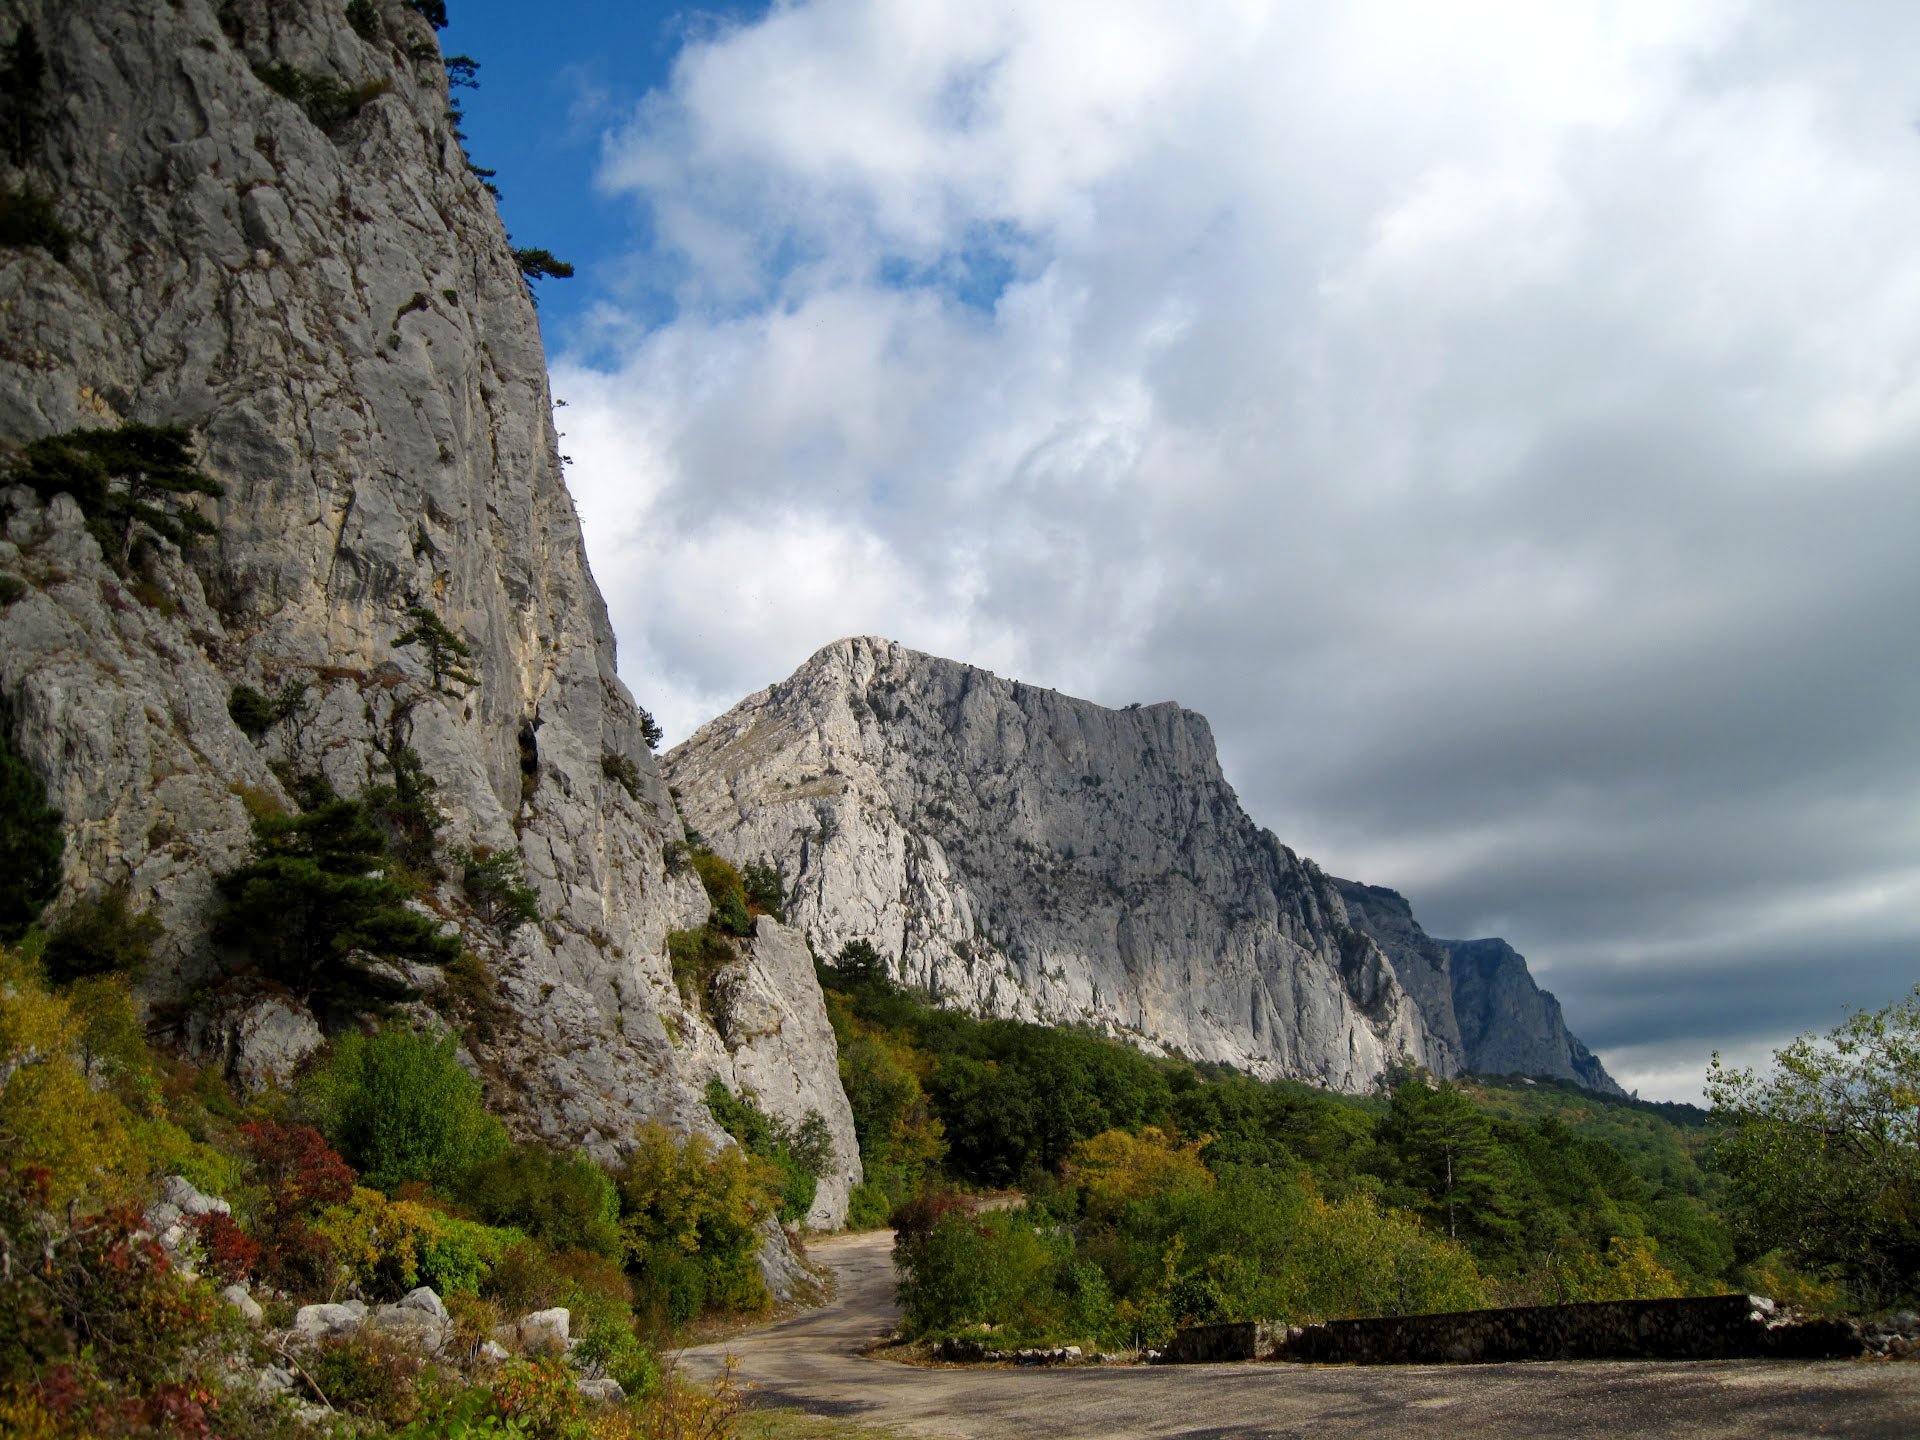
(1716, 1327)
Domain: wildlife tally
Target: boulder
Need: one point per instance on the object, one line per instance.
(239, 1299)
(605, 1388)
(540, 1330)
(329, 1322)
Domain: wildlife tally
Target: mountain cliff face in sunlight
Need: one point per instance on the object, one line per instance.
(1021, 853)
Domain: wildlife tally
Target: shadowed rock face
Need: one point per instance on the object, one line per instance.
(1025, 854)
(1021, 853)
(1478, 994)
(337, 317)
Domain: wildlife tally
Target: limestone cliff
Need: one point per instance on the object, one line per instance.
(278, 244)
(1478, 993)
(1025, 854)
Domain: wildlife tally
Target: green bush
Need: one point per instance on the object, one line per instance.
(726, 890)
(868, 1206)
(766, 890)
(320, 886)
(623, 772)
(31, 845)
(801, 1154)
(565, 1200)
(100, 937)
(327, 102)
(690, 1218)
(989, 1269)
(12, 590)
(135, 484)
(696, 957)
(27, 220)
(399, 1106)
(364, 17)
(496, 886)
(256, 713)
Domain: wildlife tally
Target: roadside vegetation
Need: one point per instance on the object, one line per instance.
(1158, 1193)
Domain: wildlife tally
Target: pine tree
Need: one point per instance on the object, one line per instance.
(125, 481)
(447, 653)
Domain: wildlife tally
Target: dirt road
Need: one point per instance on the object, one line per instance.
(812, 1362)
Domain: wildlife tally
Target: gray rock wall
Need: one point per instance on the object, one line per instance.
(1025, 854)
(1712, 1327)
(338, 318)
(1477, 995)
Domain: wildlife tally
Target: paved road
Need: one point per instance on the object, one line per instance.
(812, 1362)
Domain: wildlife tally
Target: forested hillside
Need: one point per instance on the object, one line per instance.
(1160, 1192)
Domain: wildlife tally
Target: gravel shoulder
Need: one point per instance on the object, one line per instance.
(813, 1363)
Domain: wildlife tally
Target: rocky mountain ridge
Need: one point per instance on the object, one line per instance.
(275, 241)
(1021, 853)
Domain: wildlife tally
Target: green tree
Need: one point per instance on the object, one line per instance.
(447, 654)
(318, 888)
(538, 264)
(398, 1106)
(131, 482)
(496, 886)
(102, 936)
(23, 98)
(1448, 1157)
(31, 844)
(1823, 1153)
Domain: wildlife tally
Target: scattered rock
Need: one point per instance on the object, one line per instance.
(329, 1322)
(605, 1388)
(239, 1299)
(541, 1330)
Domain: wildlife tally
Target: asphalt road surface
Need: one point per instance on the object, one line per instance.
(812, 1362)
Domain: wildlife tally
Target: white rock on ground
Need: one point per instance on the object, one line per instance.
(329, 1322)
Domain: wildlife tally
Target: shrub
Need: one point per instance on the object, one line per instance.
(51, 1118)
(447, 655)
(766, 890)
(496, 886)
(399, 1107)
(364, 17)
(979, 1269)
(387, 1247)
(23, 95)
(801, 1155)
(565, 1200)
(31, 844)
(726, 890)
(326, 101)
(623, 772)
(299, 1177)
(690, 1220)
(135, 482)
(232, 1255)
(256, 713)
(404, 807)
(12, 590)
(317, 888)
(369, 1377)
(696, 957)
(650, 732)
(101, 937)
(27, 220)
(1114, 1169)
(434, 12)
(868, 1206)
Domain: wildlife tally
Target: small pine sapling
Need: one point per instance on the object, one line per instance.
(447, 654)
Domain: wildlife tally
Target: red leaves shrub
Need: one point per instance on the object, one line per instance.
(302, 1175)
(231, 1253)
(914, 1219)
(300, 1170)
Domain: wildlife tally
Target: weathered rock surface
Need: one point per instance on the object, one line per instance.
(336, 316)
(1477, 995)
(1021, 853)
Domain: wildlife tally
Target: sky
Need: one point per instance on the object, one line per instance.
(1501, 420)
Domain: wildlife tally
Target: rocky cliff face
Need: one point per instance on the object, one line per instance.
(320, 291)
(1025, 854)
(1477, 993)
